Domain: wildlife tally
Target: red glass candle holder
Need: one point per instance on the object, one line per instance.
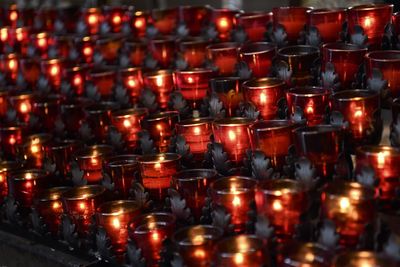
(61, 154)
(52, 69)
(195, 244)
(239, 251)
(346, 59)
(76, 76)
(90, 161)
(116, 16)
(321, 144)
(224, 56)
(47, 16)
(128, 122)
(161, 83)
(165, 20)
(85, 46)
(3, 103)
(47, 110)
(22, 104)
(273, 137)
(9, 66)
(160, 126)
(12, 14)
(361, 109)
(30, 68)
(6, 168)
(295, 253)
(42, 41)
(234, 135)
(163, 50)
(282, 201)
(73, 114)
(348, 205)
(193, 84)
(234, 194)
(328, 22)
(10, 139)
(292, 19)
(33, 149)
(373, 18)
(149, 231)
(48, 204)
(197, 134)
(93, 18)
(258, 57)
(254, 24)
(5, 38)
(109, 46)
(265, 93)
(194, 18)
(104, 80)
(140, 21)
(80, 204)
(193, 51)
(132, 79)
(137, 50)
(193, 185)
(224, 22)
(314, 101)
(383, 160)
(114, 218)
(98, 117)
(157, 172)
(20, 39)
(24, 184)
(64, 44)
(229, 91)
(300, 60)
(122, 170)
(362, 258)
(388, 63)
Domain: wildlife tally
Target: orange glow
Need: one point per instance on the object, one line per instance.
(1, 178)
(344, 204)
(56, 205)
(94, 161)
(310, 110)
(92, 19)
(54, 70)
(159, 81)
(236, 201)
(12, 64)
(157, 166)
(20, 35)
(24, 108)
(35, 149)
(263, 98)
(223, 23)
(358, 113)
(131, 82)
(238, 258)
(155, 236)
(381, 158)
(190, 79)
(139, 23)
(4, 34)
(82, 205)
(127, 123)
(368, 22)
(277, 205)
(116, 223)
(199, 253)
(13, 15)
(87, 51)
(77, 80)
(28, 185)
(232, 135)
(28, 176)
(41, 42)
(12, 140)
(196, 130)
(117, 19)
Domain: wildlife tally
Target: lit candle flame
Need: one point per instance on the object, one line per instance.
(92, 19)
(77, 80)
(12, 64)
(159, 81)
(4, 34)
(131, 82)
(127, 123)
(82, 205)
(238, 258)
(263, 98)
(87, 51)
(13, 15)
(139, 22)
(116, 223)
(232, 135)
(41, 42)
(54, 70)
(199, 253)
(223, 23)
(117, 19)
(196, 130)
(344, 204)
(277, 205)
(381, 158)
(24, 108)
(56, 205)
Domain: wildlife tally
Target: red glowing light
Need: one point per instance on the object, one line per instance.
(13, 15)
(87, 51)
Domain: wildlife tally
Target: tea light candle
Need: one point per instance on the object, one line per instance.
(273, 137)
(128, 123)
(361, 108)
(12, 15)
(194, 18)
(30, 69)
(137, 50)
(48, 204)
(132, 79)
(20, 38)
(122, 170)
(104, 79)
(163, 50)
(329, 22)
(234, 135)
(139, 22)
(165, 20)
(98, 116)
(229, 91)
(195, 243)
(5, 37)
(254, 24)
(61, 154)
(114, 217)
(52, 68)
(224, 56)
(193, 51)
(362, 259)
(47, 110)
(258, 57)
(161, 82)
(193, 185)
(373, 18)
(193, 84)
(85, 45)
(321, 144)
(348, 205)
(9, 66)
(292, 19)
(383, 160)
(90, 161)
(76, 76)
(149, 231)
(234, 193)
(33, 149)
(265, 93)
(6, 167)
(80, 204)
(10, 139)
(116, 16)
(282, 201)
(197, 134)
(224, 22)
(160, 126)
(93, 18)
(346, 58)
(109, 46)
(157, 172)
(294, 253)
(314, 101)
(241, 250)
(42, 41)
(22, 104)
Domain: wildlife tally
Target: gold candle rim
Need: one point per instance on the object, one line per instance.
(340, 189)
(155, 158)
(51, 194)
(384, 56)
(195, 122)
(118, 207)
(87, 152)
(36, 174)
(228, 247)
(208, 232)
(83, 192)
(64, 143)
(162, 115)
(263, 83)
(347, 47)
(345, 258)
(168, 218)
(126, 113)
(256, 48)
(269, 125)
(327, 10)
(233, 121)
(279, 187)
(223, 185)
(194, 71)
(223, 46)
(370, 6)
(375, 150)
(9, 165)
(123, 160)
(254, 14)
(195, 174)
(355, 95)
(298, 251)
(101, 107)
(298, 51)
(317, 129)
(308, 91)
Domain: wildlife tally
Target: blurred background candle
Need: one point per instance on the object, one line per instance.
(42, 41)
(33, 149)
(194, 18)
(294, 253)
(10, 138)
(197, 134)
(22, 104)
(30, 69)
(273, 137)
(292, 19)
(90, 161)
(362, 258)
(314, 101)
(193, 184)
(157, 171)
(132, 79)
(76, 76)
(139, 21)
(195, 244)
(161, 83)
(149, 232)
(234, 135)
(104, 79)
(346, 59)
(321, 144)
(224, 56)
(193, 51)
(52, 69)
(373, 18)
(93, 18)
(224, 22)
(265, 93)
(85, 46)
(258, 57)
(254, 24)
(163, 50)
(6, 167)
(348, 205)
(80, 204)
(361, 109)
(160, 126)
(60, 153)
(282, 201)
(114, 217)
(116, 16)
(239, 251)
(98, 117)
(328, 22)
(136, 50)
(48, 204)
(47, 110)
(234, 194)
(165, 20)
(229, 91)
(9, 66)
